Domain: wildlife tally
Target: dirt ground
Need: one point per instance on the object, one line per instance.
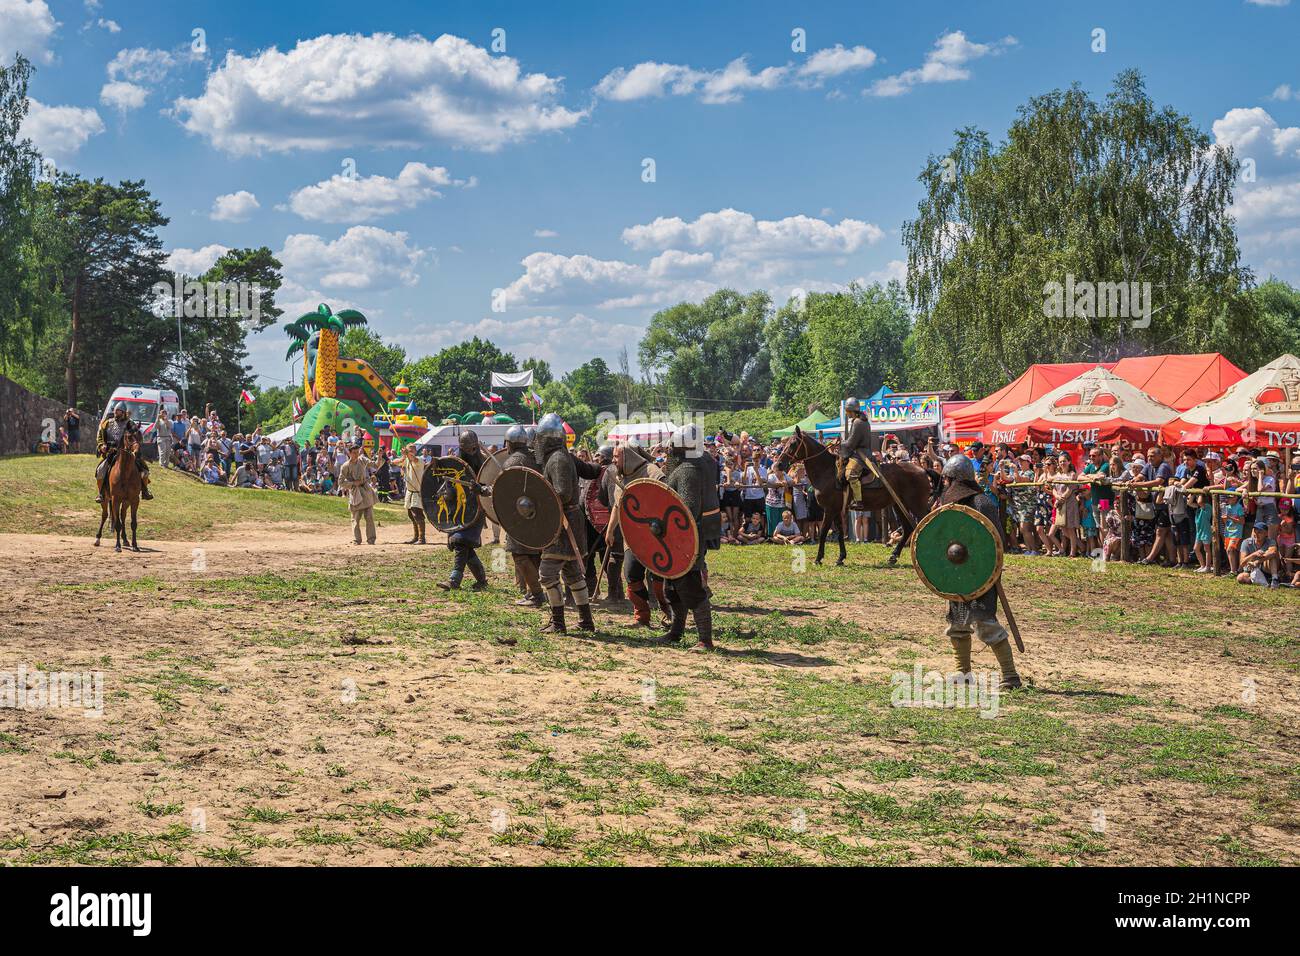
(276, 695)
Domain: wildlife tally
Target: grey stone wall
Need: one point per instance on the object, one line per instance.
(22, 418)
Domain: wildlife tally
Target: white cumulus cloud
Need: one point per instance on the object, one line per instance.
(26, 27)
(729, 84)
(837, 60)
(364, 257)
(1243, 128)
(194, 262)
(234, 207)
(363, 198)
(736, 231)
(122, 95)
(60, 131)
(340, 90)
(945, 63)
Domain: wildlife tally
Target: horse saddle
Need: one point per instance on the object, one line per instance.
(101, 470)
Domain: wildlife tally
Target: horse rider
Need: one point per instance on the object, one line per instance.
(630, 464)
(694, 476)
(559, 558)
(464, 543)
(856, 444)
(980, 616)
(527, 560)
(112, 431)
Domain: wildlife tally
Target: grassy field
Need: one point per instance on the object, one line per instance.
(340, 709)
(55, 494)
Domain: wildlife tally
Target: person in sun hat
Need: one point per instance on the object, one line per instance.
(354, 481)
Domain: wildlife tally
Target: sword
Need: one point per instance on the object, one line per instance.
(903, 511)
(1011, 618)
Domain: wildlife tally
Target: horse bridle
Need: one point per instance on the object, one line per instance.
(803, 450)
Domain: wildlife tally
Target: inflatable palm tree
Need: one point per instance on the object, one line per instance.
(341, 393)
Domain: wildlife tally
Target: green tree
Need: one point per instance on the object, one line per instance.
(362, 342)
(558, 397)
(215, 359)
(1120, 191)
(541, 371)
(1277, 325)
(785, 335)
(106, 255)
(855, 341)
(449, 383)
(21, 315)
(593, 384)
(710, 351)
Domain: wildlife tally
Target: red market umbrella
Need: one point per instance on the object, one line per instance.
(1202, 436)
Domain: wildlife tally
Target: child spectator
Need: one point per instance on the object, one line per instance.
(787, 530)
(753, 531)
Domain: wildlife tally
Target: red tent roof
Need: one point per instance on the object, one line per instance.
(1180, 381)
(1037, 381)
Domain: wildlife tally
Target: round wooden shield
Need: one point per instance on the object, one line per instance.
(451, 501)
(527, 507)
(597, 513)
(487, 475)
(957, 552)
(657, 528)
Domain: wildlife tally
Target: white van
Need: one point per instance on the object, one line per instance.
(142, 404)
(445, 439)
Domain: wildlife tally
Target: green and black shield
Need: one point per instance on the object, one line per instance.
(957, 552)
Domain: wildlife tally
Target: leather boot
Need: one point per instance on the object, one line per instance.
(556, 624)
(145, 493)
(640, 606)
(677, 624)
(615, 593)
(961, 652)
(585, 622)
(1010, 678)
(665, 607)
(422, 540)
(704, 624)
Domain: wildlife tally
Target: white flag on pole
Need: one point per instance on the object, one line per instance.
(522, 379)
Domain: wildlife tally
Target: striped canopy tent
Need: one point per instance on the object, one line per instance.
(1263, 407)
(1096, 406)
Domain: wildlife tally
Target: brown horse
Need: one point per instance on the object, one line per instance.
(915, 486)
(122, 491)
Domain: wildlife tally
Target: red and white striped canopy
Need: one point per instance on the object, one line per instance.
(1264, 407)
(1097, 406)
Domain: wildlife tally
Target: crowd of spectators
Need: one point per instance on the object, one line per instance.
(203, 447)
(1152, 506)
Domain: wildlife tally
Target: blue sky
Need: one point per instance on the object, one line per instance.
(501, 192)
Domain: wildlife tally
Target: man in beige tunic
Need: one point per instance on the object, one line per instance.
(354, 479)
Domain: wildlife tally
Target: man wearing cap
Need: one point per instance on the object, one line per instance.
(354, 481)
(1259, 564)
(854, 447)
(979, 616)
